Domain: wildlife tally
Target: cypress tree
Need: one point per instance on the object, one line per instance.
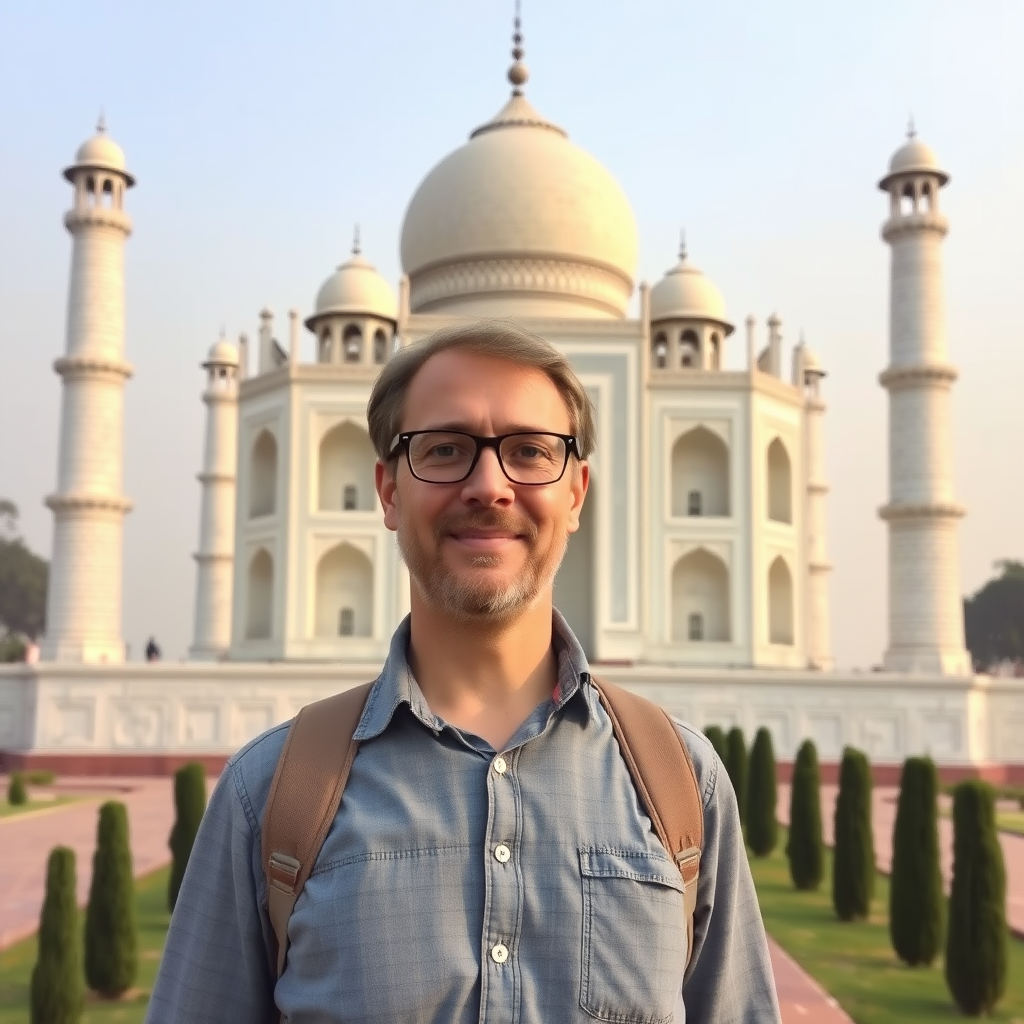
(805, 847)
(16, 792)
(111, 942)
(915, 891)
(717, 737)
(853, 867)
(977, 936)
(736, 766)
(57, 995)
(189, 804)
(762, 826)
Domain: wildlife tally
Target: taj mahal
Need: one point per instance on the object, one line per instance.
(700, 573)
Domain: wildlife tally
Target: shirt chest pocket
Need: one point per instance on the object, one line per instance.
(634, 936)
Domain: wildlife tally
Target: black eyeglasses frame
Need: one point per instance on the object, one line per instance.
(402, 440)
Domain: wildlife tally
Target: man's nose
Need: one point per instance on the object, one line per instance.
(487, 482)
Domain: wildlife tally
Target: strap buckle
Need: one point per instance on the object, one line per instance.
(688, 856)
(283, 872)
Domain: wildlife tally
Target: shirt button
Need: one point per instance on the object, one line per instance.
(502, 853)
(500, 766)
(499, 953)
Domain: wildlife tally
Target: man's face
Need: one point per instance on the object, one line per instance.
(484, 549)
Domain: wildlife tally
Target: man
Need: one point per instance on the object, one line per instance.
(490, 859)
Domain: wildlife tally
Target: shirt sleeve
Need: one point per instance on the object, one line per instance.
(215, 967)
(729, 979)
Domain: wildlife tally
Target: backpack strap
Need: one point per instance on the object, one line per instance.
(665, 781)
(304, 797)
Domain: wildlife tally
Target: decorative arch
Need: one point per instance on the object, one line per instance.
(344, 593)
(352, 344)
(700, 599)
(324, 346)
(380, 347)
(263, 476)
(715, 352)
(689, 350)
(780, 602)
(346, 461)
(260, 597)
(700, 463)
(780, 483)
(576, 582)
(659, 351)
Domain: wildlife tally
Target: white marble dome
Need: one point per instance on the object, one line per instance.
(357, 287)
(101, 152)
(520, 220)
(686, 293)
(222, 353)
(914, 156)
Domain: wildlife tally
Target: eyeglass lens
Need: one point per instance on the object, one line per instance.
(441, 456)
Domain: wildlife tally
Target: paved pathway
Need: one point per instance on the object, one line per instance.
(27, 841)
(883, 817)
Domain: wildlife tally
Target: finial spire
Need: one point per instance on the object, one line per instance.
(101, 122)
(682, 244)
(356, 247)
(518, 74)
(911, 130)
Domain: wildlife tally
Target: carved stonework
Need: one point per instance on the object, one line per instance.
(138, 726)
(589, 283)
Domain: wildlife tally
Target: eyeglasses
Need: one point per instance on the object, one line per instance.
(449, 456)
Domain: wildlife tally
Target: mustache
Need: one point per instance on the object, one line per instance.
(493, 519)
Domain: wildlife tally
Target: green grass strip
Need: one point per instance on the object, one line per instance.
(855, 962)
(17, 961)
(14, 810)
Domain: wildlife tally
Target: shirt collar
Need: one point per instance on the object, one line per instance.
(396, 684)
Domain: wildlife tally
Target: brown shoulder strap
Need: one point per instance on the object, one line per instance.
(665, 780)
(304, 798)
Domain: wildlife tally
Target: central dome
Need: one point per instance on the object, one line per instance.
(520, 221)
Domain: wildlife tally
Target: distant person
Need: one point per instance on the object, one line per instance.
(491, 858)
(152, 650)
(31, 652)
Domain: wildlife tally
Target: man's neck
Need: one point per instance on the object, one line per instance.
(483, 678)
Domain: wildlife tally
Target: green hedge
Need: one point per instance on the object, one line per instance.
(56, 994)
(853, 871)
(915, 888)
(805, 847)
(737, 767)
(976, 940)
(762, 795)
(17, 795)
(717, 737)
(189, 804)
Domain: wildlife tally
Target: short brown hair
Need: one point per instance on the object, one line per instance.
(500, 339)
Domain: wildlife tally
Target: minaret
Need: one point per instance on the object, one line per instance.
(926, 623)
(214, 568)
(808, 374)
(83, 607)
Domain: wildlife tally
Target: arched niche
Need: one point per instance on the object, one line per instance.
(352, 344)
(689, 350)
(380, 347)
(700, 465)
(659, 351)
(700, 599)
(263, 476)
(260, 597)
(346, 461)
(344, 593)
(780, 483)
(576, 582)
(780, 602)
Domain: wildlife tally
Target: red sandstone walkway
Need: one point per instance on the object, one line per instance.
(27, 841)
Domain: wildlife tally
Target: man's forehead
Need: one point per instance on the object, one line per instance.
(459, 382)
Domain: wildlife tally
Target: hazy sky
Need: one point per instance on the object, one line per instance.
(261, 132)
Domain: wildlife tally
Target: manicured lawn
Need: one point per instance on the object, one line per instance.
(10, 810)
(16, 963)
(1006, 821)
(855, 962)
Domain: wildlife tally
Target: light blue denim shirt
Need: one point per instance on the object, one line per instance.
(463, 885)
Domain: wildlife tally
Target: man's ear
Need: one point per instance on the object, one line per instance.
(579, 484)
(384, 479)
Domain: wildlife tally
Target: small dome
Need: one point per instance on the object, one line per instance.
(685, 293)
(101, 152)
(357, 287)
(222, 353)
(810, 361)
(914, 156)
